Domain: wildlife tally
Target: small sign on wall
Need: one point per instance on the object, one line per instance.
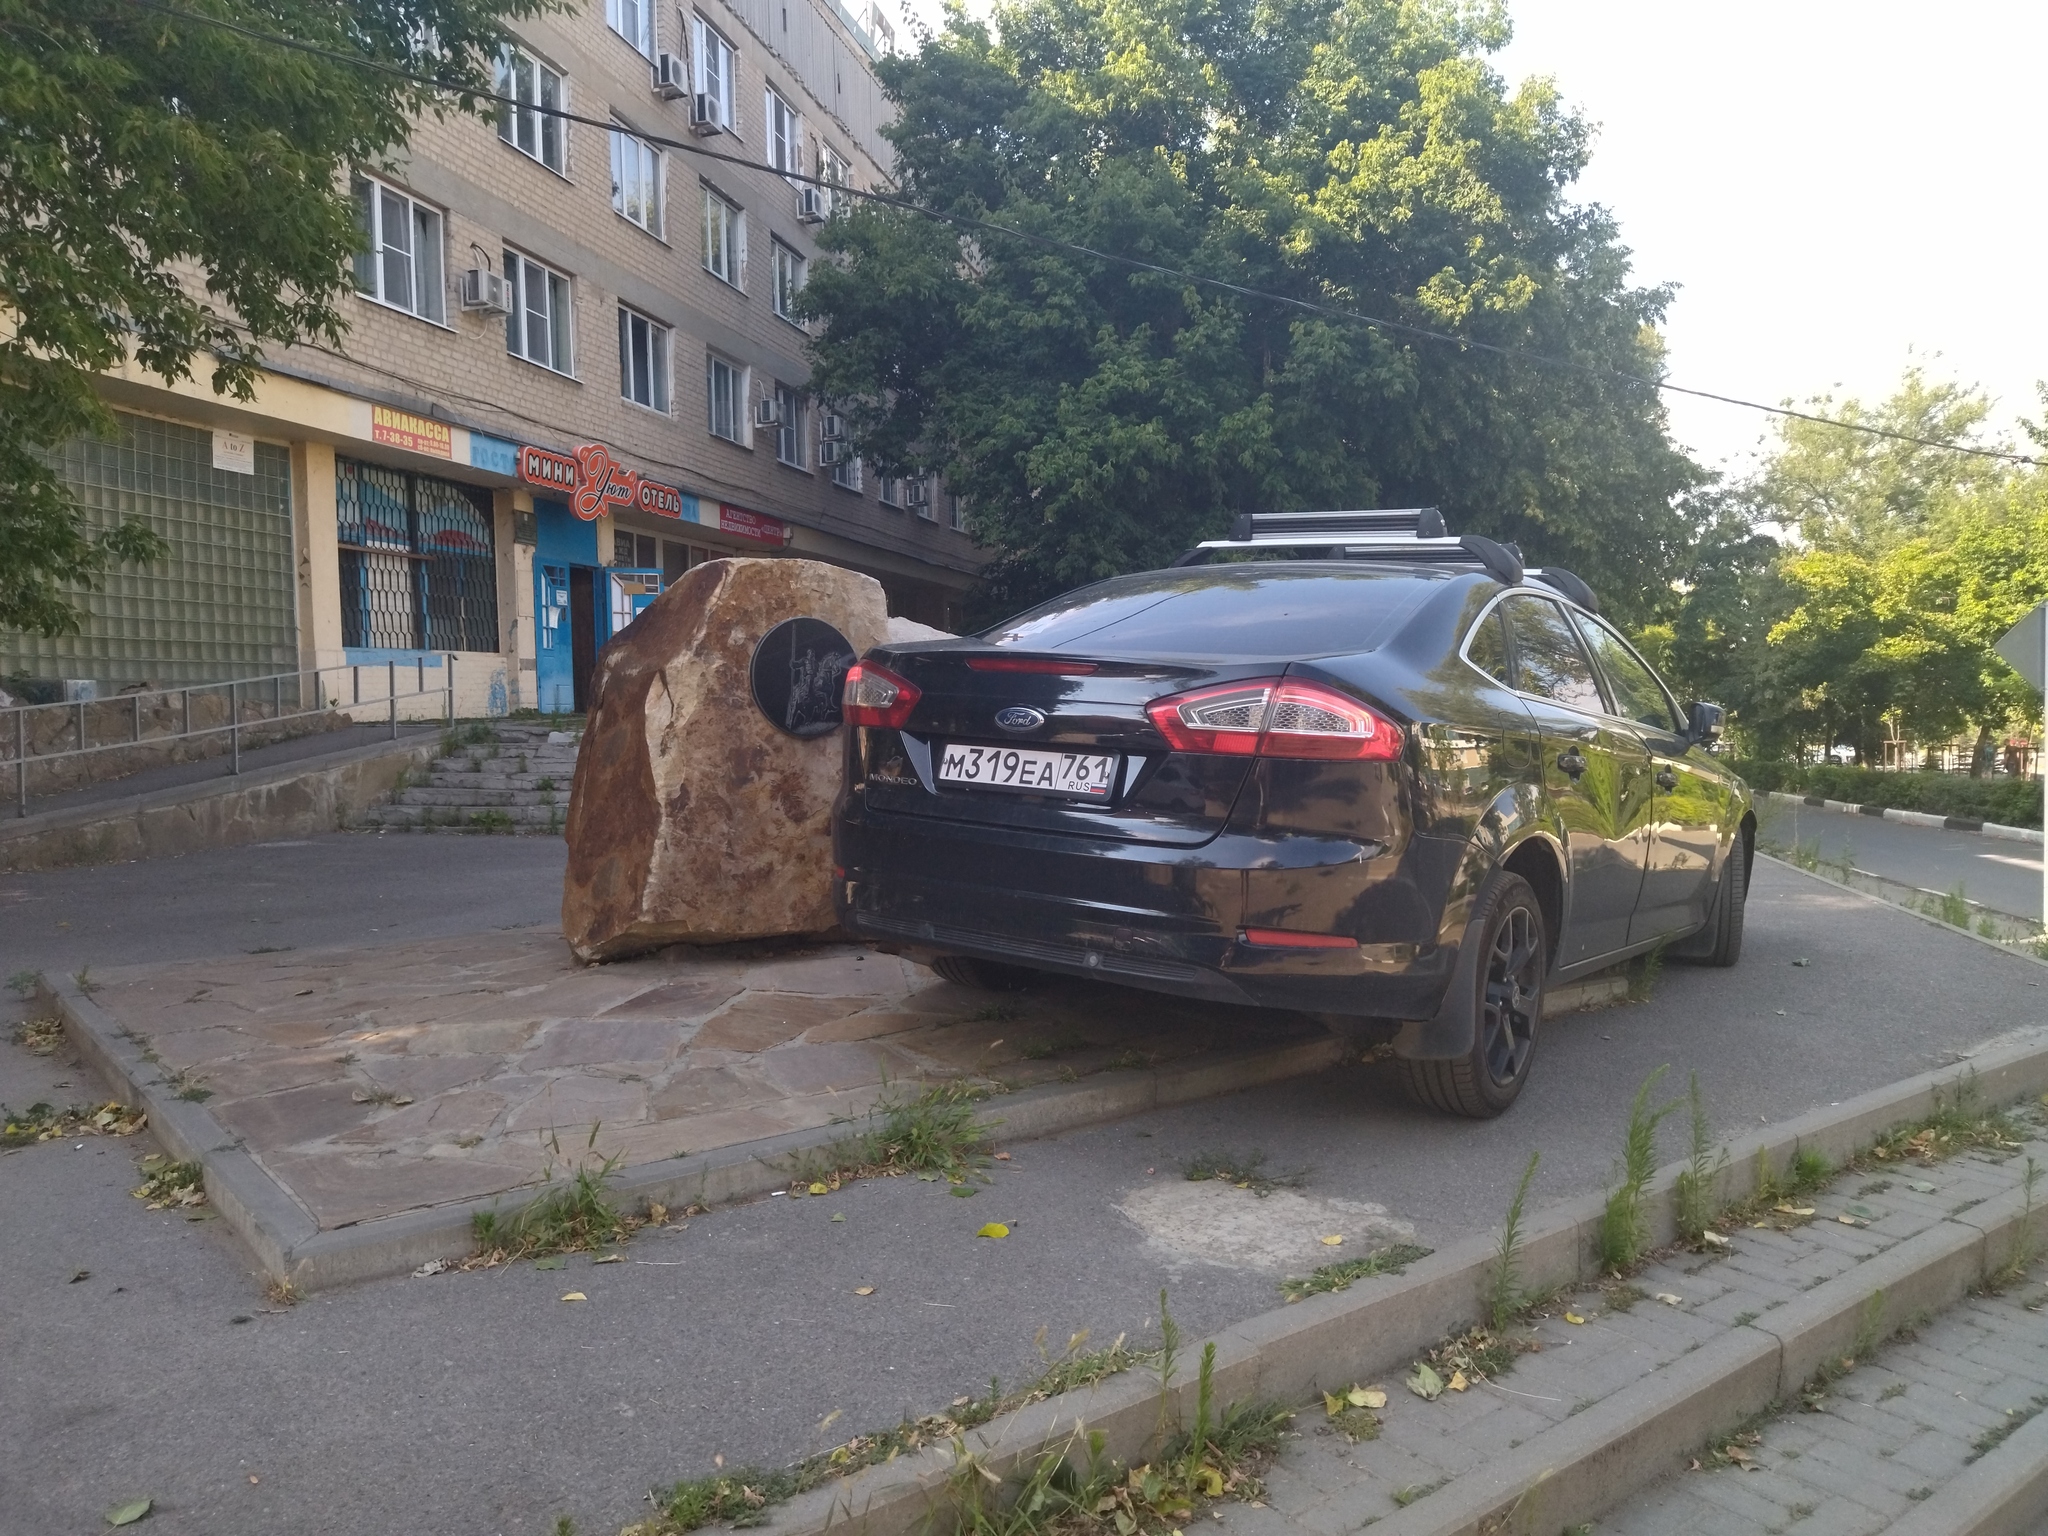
(234, 452)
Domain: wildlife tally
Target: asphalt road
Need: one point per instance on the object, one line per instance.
(2000, 874)
(484, 1404)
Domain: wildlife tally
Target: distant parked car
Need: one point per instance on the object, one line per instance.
(1338, 762)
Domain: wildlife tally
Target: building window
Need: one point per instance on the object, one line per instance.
(637, 169)
(956, 512)
(530, 127)
(834, 171)
(787, 272)
(789, 427)
(785, 136)
(845, 473)
(635, 551)
(537, 329)
(726, 384)
(716, 71)
(418, 570)
(634, 21)
(643, 360)
(921, 498)
(402, 266)
(725, 239)
(889, 488)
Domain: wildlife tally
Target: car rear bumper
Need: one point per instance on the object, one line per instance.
(1167, 919)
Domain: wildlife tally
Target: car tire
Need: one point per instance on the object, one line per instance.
(1506, 1003)
(1734, 900)
(989, 975)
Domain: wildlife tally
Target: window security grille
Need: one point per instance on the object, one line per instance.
(418, 571)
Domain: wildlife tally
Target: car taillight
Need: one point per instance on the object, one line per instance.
(876, 696)
(1049, 665)
(1275, 717)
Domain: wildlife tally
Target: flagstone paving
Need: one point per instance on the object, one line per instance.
(378, 1080)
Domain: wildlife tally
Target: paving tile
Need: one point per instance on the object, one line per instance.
(589, 1042)
(295, 1116)
(759, 1020)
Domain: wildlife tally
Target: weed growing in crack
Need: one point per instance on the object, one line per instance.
(22, 983)
(934, 1133)
(1504, 1296)
(168, 1185)
(1643, 974)
(2026, 1245)
(1247, 1170)
(1693, 1194)
(1998, 1434)
(567, 1216)
(1625, 1225)
(1339, 1277)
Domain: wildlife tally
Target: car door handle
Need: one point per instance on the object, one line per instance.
(1666, 779)
(1572, 761)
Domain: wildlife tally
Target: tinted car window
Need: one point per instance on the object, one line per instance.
(1637, 694)
(1549, 661)
(1487, 648)
(1229, 613)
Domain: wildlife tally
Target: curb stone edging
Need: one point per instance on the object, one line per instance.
(1382, 1323)
(290, 1244)
(1915, 818)
(2021, 955)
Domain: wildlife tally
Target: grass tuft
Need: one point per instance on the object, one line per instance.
(1339, 1277)
(567, 1216)
(1247, 1170)
(1694, 1192)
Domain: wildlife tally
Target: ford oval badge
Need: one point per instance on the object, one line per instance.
(1020, 717)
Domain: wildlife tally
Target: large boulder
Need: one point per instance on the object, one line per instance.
(694, 819)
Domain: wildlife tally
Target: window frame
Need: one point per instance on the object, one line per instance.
(1672, 726)
(785, 148)
(791, 438)
(836, 170)
(660, 361)
(614, 12)
(703, 36)
(884, 484)
(846, 474)
(737, 398)
(1514, 650)
(782, 295)
(546, 128)
(560, 318)
(623, 141)
(733, 249)
(374, 261)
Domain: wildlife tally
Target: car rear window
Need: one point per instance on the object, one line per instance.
(1235, 612)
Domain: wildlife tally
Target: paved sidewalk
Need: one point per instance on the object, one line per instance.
(1903, 1423)
(373, 1081)
(1882, 1439)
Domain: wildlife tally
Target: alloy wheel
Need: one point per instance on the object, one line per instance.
(1514, 986)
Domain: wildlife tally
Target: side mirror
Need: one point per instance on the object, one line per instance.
(1706, 723)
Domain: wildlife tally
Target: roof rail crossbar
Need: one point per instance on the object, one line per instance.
(1571, 586)
(1283, 527)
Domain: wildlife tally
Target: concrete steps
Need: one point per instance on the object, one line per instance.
(500, 777)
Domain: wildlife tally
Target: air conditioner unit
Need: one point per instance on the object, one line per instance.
(704, 116)
(832, 452)
(832, 427)
(918, 492)
(486, 290)
(767, 412)
(671, 76)
(812, 205)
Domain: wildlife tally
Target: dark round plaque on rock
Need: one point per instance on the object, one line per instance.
(798, 674)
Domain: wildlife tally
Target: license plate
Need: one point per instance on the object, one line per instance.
(1090, 776)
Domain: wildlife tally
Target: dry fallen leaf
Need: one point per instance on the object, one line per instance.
(863, 1290)
(657, 1213)
(129, 1513)
(610, 1258)
(1457, 1383)
(1670, 1300)
(1426, 1384)
(818, 1189)
(1852, 1221)
(1002, 1157)
(1793, 1210)
(994, 1229)
(575, 1296)
(1573, 1317)
(1335, 1239)
(1367, 1397)
(1714, 1239)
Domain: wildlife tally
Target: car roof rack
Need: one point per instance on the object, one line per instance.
(1404, 533)
(1565, 582)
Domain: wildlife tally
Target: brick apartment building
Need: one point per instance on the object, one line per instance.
(571, 374)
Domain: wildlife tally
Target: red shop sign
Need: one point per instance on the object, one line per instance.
(751, 525)
(596, 482)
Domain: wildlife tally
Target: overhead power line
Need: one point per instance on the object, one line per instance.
(1068, 247)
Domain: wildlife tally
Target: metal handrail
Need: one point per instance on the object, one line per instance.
(238, 690)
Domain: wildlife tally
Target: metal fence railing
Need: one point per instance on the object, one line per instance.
(46, 736)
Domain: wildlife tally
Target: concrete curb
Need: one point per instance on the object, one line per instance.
(1914, 818)
(291, 799)
(290, 1244)
(1381, 1324)
(1996, 945)
(2002, 1494)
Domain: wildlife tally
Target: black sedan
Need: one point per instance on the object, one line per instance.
(1339, 762)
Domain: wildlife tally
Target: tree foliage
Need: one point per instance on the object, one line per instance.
(170, 189)
(1353, 153)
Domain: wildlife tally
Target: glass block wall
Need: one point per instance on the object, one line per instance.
(221, 605)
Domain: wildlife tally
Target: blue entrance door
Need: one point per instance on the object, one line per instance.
(553, 664)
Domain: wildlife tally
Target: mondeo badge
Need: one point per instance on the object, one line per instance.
(1020, 717)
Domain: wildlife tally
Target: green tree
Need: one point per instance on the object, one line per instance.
(1356, 153)
(170, 189)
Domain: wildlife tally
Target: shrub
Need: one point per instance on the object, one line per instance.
(2012, 802)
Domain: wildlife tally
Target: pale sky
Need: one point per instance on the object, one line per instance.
(1839, 187)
